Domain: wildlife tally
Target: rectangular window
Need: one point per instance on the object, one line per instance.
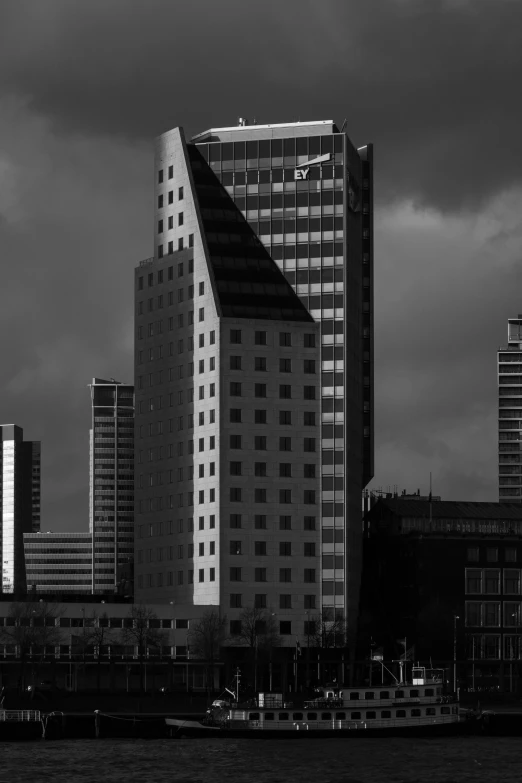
(285, 444)
(260, 469)
(285, 549)
(235, 494)
(260, 522)
(309, 366)
(260, 442)
(180, 193)
(260, 416)
(235, 336)
(309, 497)
(260, 390)
(201, 289)
(260, 574)
(235, 574)
(201, 314)
(260, 363)
(309, 341)
(285, 365)
(235, 389)
(235, 627)
(235, 415)
(235, 362)
(285, 574)
(309, 549)
(260, 338)
(260, 548)
(235, 468)
(285, 417)
(309, 419)
(512, 581)
(285, 523)
(492, 554)
(309, 575)
(492, 581)
(180, 218)
(285, 495)
(236, 601)
(260, 601)
(309, 393)
(160, 176)
(285, 627)
(235, 521)
(285, 392)
(309, 444)
(285, 339)
(285, 601)
(309, 601)
(235, 441)
(309, 523)
(285, 470)
(309, 471)
(212, 574)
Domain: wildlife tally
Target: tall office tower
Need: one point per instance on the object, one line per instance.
(111, 481)
(19, 502)
(307, 193)
(510, 415)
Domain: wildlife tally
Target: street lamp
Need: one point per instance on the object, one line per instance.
(455, 618)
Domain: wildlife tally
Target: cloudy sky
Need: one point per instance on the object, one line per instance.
(85, 85)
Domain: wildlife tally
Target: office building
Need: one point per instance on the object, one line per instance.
(111, 481)
(58, 562)
(19, 502)
(510, 415)
(234, 202)
(453, 588)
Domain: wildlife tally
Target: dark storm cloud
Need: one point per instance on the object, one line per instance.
(433, 83)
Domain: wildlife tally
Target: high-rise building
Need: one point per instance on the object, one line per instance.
(232, 207)
(19, 502)
(58, 562)
(111, 481)
(510, 415)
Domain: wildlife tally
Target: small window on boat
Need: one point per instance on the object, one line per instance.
(414, 694)
(415, 713)
(429, 692)
(354, 697)
(445, 711)
(269, 716)
(371, 715)
(297, 716)
(384, 695)
(385, 713)
(253, 716)
(430, 711)
(326, 716)
(369, 695)
(399, 694)
(312, 716)
(400, 713)
(356, 716)
(283, 716)
(340, 716)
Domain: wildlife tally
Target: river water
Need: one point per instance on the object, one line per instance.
(437, 760)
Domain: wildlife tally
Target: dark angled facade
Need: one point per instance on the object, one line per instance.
(19, 502)
(300, 195)
(510, 415)
(111, 481)
(442, 573)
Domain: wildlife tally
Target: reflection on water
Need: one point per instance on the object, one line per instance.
(437, 760)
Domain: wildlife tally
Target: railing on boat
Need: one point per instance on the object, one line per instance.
(20, 715)
(335, 725)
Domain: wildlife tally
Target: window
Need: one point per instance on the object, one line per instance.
(473, 554)
(180, 193)
(260, 601)
(285, 444)
(309, 444)
(260, 469)
(260, 363)
(235, 468)
(235, 521)
(285, 495)
(260, 416)
(492, 555)
(260, 443)
(260, 338)
(309, 392)
(235, 336)
(473, 581)
(260, 574)
(309, 471)
(260, 495)
(285, 417)
(212, 390)
(309, 366)
(236, 601)
(285, 601)
(285, 365)
(201, 314)
(285, 574)
(285, 470)
(492, 580)
(309, 575)
(235, 494)
(180, 247)
(235, 574)
(212, 520)
(285, 339)
(260, 390)
(235, 389)
(235, 415)
(309, 523)
(160, 226)
(510, 554)
(512, 581)
(285, 523)
(309, 549)
(212, 337)
(309, 419)
(235, 441)
(285, 392)
(285, 627)
(309, 496)
(180, 217)
(285, 549)
(160, 176)
(309, 341)
(235, 627)
(260, 522)
(309, 601)
(260, 548)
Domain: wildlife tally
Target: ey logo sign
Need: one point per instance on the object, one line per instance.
(302, 171)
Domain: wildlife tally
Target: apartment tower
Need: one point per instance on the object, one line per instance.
(510, 415)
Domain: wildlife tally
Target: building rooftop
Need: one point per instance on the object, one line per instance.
(447, 509)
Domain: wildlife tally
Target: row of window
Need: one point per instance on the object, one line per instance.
(488, 581)
(492, 554)
(170, 176)
(237, 388)
(171, 298)
(90, 622)
(272, 148)
(488, 613)
(160, 274)
(261, 365)
(415, 712)
(256, 176)
(236, 522)
(260, 338)
(235, 496)
(208, 548)
(286, 601)
(260, 470)
(236, 574)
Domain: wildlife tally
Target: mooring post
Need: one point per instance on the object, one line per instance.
(97, 723)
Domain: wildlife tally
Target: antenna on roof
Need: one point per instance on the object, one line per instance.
(343, 126)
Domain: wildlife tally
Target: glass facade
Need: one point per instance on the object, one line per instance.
(510, 415)
(308, 199)
(58, 562)
(112, 481)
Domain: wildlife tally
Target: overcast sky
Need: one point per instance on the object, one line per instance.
(85, 86)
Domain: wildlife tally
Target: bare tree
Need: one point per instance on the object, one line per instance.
(205, 638)
(139, 631)
(97, 634)
(31, 627)
(326, 630)
(258, 628)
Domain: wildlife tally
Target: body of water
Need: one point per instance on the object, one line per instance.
(439, 760)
